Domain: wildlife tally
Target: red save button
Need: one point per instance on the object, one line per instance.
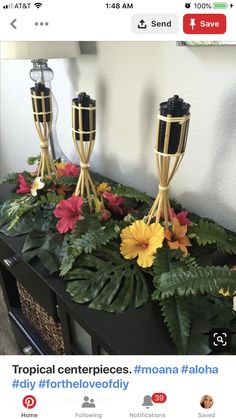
(204, 23)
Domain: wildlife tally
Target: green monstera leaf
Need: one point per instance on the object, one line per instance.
(108, 282)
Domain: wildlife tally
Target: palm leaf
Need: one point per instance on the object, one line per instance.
(108, 282)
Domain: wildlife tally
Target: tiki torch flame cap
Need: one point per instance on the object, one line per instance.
(175, 106)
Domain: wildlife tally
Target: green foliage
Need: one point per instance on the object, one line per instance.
(107, 282)
(177, 316)
(89, 258)
(132, 193)
(209, 312)
(11, 210)
(46, 248)
(33, 160)
(89, 235)
(190, 262)
(166, 260)
(206, 232)
(179, 289)
(66, 180)
(195, 281)
(176, 205)
(11, 178)
(92, 240)
(22, 211)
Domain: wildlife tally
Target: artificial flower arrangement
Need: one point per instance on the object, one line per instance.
(112, 259)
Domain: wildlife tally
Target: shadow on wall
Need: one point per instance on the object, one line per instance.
(147, 122)
(119, 169)
(102, 121)
(73, 75)
(86, 48)
(73, 72)
(213, 53)
(225, 217)
(223, 153)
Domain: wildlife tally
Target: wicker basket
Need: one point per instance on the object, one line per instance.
(37, 316)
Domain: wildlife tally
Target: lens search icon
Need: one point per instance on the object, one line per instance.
(220, 339)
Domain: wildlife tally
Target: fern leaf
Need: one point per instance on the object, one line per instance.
(92, 240)
(206, 232)
(166, 260)
(201, 280)
(132, 193)
(88, 242)
(190, 262)
(176, 313)
(161, 263)
(66, 180)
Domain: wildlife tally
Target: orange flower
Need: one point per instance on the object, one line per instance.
(60, 189)
(177, 239)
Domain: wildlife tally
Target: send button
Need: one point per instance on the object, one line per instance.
(155, 24)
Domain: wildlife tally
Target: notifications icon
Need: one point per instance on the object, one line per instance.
(147, 401)
(29, 402)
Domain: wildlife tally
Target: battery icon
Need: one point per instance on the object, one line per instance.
(220, 5)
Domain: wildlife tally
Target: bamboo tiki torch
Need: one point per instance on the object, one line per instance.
(84, 131)
(171, 137)
(42, 112)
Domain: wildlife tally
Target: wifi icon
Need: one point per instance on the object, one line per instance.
(38, 5)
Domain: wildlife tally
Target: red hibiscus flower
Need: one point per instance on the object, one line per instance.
(114, 202)
(106, 215)
(181, 216)
(68, 169)
(23, 186)
(69, 211)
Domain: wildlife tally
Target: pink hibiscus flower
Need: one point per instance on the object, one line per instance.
(114, 202)
(69, 169)
(23, 186)
(181, 216)
(69, 211)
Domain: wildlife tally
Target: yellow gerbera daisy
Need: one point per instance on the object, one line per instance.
(103, 187)
(141, 240)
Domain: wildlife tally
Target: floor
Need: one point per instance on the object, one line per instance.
(8, 344)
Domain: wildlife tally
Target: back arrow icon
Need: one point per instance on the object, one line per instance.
(12, 24)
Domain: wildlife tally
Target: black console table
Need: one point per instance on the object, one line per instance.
(46, 321)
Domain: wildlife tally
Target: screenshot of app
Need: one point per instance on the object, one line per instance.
(117, 209)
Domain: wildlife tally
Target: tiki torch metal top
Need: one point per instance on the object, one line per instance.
(175, 106)
(173, 128)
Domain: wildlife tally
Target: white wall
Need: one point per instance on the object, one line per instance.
(129, 80)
